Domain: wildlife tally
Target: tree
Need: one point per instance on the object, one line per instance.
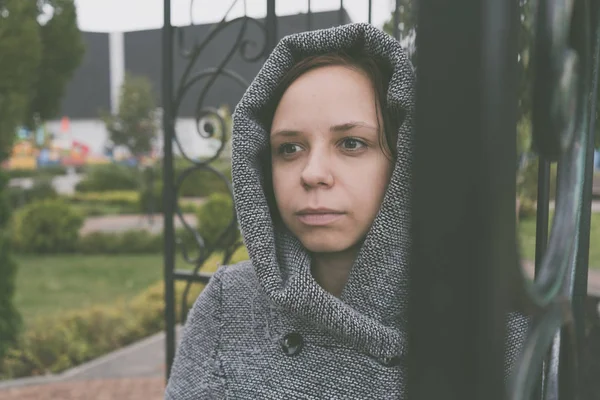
(62, 53)
(135, 125)
(407, 25)
(20, 54)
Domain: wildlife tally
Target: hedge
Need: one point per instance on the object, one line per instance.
(53, 344)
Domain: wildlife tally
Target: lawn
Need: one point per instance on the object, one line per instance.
(48, 285)
(527, 236)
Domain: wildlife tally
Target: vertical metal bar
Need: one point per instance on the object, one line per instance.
(168, 185)
(309, 17)
(370, 11)
(460, 251)
(396, 19)
(580, 282)
(271, 25)
(543, 211)
(341, 13)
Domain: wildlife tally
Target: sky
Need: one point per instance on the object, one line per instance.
(129, 15)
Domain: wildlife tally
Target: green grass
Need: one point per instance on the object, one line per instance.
(52, 284)
(49, 285)
(527, 236)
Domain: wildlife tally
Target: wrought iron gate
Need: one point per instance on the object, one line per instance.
(463, 287)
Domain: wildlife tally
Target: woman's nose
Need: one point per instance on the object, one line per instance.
(317, 171)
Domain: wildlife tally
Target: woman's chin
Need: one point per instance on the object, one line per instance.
(315, 244)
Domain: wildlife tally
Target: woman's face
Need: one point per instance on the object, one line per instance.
(329, 170)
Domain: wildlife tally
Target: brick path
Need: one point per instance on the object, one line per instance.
(121, 223)
(108, 389)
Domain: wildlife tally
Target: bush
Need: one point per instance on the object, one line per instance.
(202, 183)
(41, 189)
(151, 198)
(214, 217)
(109, 177)
(10, 319)
(129, 242)
(115, 198)
(527, 208)
(48, 171)
(52, 345)
(527, 181)
(49, 226)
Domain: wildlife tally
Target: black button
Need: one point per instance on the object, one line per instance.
(390, 361)
(291, 344)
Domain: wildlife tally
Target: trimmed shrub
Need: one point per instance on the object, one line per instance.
(49, 226)
(527, 180)
(129, 242)
(202, 183)
(41, 189)
(54, 344)
(151, 199)
(113, 197)
(109, 177)
(51, 170)
(214, 216)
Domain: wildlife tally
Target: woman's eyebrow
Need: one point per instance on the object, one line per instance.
(351, 125)
(285, 133)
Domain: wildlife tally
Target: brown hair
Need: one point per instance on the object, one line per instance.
(378, 72)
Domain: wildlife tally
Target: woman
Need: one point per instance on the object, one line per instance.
(321, 175)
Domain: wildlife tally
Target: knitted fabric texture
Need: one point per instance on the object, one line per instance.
(352, 347)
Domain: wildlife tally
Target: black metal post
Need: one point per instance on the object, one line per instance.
(309, 17)
(396, 19)
(341, 13)
(370, 10)
(271, 25)
(543, 211)
(580, 279)
(465, 149)
(168, 185)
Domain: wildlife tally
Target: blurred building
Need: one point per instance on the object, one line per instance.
(96, 84)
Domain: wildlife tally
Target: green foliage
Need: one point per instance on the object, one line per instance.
(202, 183)
(129, 242)
(49, 226)
(62, 53)
(20, 55)
(40, 190)
(151, 198)
(49, 171)
(109, 177)
(214, 217)
(407, 22)
(527, 182)
(135, 125)
(54, 344)
(10, 319)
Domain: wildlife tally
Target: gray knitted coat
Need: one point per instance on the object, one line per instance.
(264, 329)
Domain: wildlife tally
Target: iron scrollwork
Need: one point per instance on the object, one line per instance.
(209, 125)
(565, 75)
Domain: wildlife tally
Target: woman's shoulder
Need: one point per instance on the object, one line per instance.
(239, 279)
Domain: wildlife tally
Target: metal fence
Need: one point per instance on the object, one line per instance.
(467, 78)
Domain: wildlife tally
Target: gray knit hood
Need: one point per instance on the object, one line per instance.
(370, 314)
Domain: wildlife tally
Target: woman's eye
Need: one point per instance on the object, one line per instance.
(289, 148)
(352, 144)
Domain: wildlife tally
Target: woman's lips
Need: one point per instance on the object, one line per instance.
(320, 218)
